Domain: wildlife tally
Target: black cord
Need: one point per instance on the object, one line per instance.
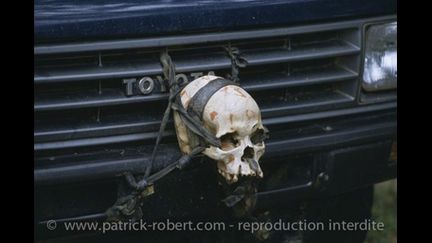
(169, 73)
(237, 61)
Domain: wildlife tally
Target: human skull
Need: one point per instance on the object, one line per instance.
(234, 117)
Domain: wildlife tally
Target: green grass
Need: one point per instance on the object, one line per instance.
(384, 210)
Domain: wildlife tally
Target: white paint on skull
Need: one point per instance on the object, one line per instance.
(233, 116)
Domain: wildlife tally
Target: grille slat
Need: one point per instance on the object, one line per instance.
(98, 141)
(332, 49)
(125, 70)
(152, 136)
(65, 132)
(93, 99)
(264, 82)
(193, 63)
(276, 81)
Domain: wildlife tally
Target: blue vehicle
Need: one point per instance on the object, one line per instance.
(323, 72)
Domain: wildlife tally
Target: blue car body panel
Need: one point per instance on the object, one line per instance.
(82, 20)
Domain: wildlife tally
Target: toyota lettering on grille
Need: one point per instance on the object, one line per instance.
(148, 85)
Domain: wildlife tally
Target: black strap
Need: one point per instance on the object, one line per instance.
(195, 125)
(202, 96)
(180, 163)
(237, 61)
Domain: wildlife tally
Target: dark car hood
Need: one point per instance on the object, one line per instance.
(79, 20)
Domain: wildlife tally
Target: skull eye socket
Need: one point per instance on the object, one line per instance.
(258, 136)
(229, 141)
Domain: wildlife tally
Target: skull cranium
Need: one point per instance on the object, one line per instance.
(234, 117)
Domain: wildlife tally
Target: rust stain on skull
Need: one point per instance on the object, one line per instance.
(238, 91)
(213, 114)
(231, 158)
(250, 114)
(231, 118)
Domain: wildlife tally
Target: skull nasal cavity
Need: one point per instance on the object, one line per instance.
(248, 153)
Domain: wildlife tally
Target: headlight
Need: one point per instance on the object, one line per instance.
(380, 64)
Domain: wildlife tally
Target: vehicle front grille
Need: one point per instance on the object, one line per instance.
(83, 114)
